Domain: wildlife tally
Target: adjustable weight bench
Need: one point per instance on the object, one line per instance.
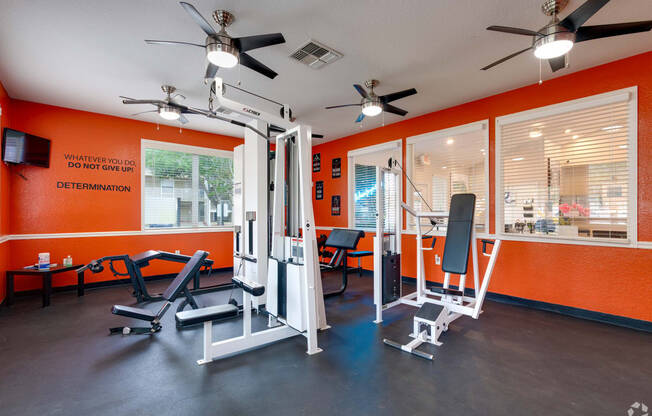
(178, 287)
(342, 240)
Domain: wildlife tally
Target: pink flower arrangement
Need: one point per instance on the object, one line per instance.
(566, 209)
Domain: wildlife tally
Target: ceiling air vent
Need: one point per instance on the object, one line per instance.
(315, 54)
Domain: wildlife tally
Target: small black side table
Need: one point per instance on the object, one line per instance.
(46, 274)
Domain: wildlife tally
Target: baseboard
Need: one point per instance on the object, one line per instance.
(109, 283)
(606, 318)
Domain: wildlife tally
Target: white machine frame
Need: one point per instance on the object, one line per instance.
(305, 310)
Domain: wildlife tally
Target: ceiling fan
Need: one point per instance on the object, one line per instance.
(554, 40)
(168, 108)
(221, 49)
(373, 104)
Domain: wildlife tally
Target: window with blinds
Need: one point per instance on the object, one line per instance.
(566, 173)
(363, 183)
(445, 163)
(186, 187)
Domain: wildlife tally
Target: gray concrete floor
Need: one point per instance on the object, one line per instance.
(60, 361)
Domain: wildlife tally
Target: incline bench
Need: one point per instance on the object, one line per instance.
(133, 269)
(178, 287)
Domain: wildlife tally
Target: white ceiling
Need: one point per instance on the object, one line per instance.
(82, 54)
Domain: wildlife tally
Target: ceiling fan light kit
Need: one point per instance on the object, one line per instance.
(169, 113)
(554, 45)
(372, 108)
(223, 54)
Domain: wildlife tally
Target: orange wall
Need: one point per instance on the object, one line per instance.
(5, 103)
(610, 280)
(39, 207)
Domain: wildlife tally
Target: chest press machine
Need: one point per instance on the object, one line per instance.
(439, 307)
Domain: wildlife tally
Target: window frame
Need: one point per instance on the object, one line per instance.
(629, 95)
(481, 125)
(389, 146)
(176, 147)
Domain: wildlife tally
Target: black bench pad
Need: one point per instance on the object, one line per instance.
(211, 313)
(360, 253)
(131, 312)
(249, 287)
(448, 291)
(429, 311)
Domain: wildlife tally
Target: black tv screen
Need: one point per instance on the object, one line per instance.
(19, 147)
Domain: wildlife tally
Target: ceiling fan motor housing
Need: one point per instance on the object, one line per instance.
(221, 43)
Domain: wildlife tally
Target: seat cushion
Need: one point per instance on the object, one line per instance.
(211, 313)
(360, 253)
(131, 312)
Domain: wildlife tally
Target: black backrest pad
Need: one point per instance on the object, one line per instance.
(145, 256)
(458, 234)
(185, 275)
(344, 238)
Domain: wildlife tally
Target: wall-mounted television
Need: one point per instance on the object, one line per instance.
(19, 147)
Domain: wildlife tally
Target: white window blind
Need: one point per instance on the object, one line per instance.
(363, 182)
(365, 196)
(391, 187)
(186, 188)
(445, 163)
(567, 174)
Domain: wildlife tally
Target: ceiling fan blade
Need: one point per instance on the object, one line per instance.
(394, 110)
(256, 65)
(131, 101)
(514, 30)
(340, 106)
(143, 112)
(583, 13)
(361, 90)
(248, 43)
(211, 71)
(500, 61)
(170, 42)
(605, 31)
(182, 119)
(198, 18)
(557, 63)
(360, 118)
(397, 95)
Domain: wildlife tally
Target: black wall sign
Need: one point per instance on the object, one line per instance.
(337, 167)
(319, 190)
(316, 162)
(335, 205)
